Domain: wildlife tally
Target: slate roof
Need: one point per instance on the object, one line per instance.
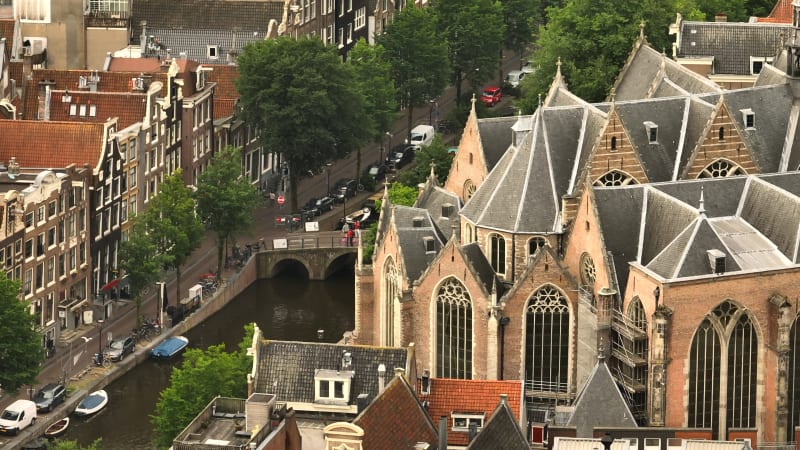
(600, 404)
(469, 396)
(482, 268)
(396, 418)
(194, 41)
(502, 431)
(51, 145)
(754, 220)
(203, 15)
(287, 369)
(495, 136)
(411, 238)
(732, 44)
(434, 199)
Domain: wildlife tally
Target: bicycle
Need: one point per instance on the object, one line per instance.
(360, 188)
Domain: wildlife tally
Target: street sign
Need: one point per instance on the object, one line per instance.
(281, 199)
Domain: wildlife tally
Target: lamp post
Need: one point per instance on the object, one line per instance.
(390, 136)
(100, 338)
(161, 306)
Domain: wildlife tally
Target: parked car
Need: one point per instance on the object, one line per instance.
(528, 67)
(322, 205)
(491, 96)
(344, 189)
(514, 78)
(400, 159)
(118, 349)
(17, 416)
(309, 209)
(50, 396)
(422, 136)
(377, 171)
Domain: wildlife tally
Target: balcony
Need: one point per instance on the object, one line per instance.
(107, 19)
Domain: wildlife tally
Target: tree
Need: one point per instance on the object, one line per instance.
(400, 194)
(520, 19)
(203, 375)
(140, 261)
(225, 200)
(435, 154)
(171, 222)
(593, 39)
(417, 55)
(372, 75)
(302, 100)
(20, 341)
(474, 31)
(73, 445)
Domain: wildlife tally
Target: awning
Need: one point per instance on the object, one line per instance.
(111, 285)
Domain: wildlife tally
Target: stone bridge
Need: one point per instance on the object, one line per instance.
(318, 254)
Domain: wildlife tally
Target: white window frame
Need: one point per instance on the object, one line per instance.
(763, 60)
(361, 18)
(40, 9)
(748, 115)
(468, 418)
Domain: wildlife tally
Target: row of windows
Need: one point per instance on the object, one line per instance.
(45, 273)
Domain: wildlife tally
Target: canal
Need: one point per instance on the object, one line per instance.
(286, 308)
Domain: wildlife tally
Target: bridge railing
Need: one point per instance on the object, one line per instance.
(325, 239)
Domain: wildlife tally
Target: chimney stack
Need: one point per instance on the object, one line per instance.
(381, 381)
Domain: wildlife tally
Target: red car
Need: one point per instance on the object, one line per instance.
(491, 96)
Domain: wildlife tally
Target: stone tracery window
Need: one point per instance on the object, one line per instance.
(469, 190)
(535, 243)
(721, 168)
(453, 330)
(588, 271)
(615, 178)
(547, 341)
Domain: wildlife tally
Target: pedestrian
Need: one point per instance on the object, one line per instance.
(272, 198)
(350, 235)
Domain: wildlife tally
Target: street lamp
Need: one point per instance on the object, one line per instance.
(100, 338)
(390, 135)
(162, 297)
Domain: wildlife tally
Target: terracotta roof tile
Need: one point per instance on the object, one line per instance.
(128, 108)
(135, 65)
(395, 419)
(51, 144)
(781, 13)
(468, 396)
(225, 94)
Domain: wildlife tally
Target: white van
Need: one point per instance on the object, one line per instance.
(514, 77)
(18, 416)
(422, 136)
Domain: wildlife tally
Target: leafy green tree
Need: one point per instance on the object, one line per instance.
(140, 261)
(417, 55)
(203, 375)
(400, 194)
(521, 19)
(301, 97)
(593, 39)
(225, 200)
(20, 340)
(73, 445)
(475, 32)
(171, 222)
(372, 75)
(435, 154)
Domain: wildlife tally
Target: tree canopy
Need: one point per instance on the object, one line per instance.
(520, 17)
(203, 375)
(140, 261)
(417, 55)
(435, 153)
(302, 99)
(20, 340)
(225, 200)
(73, 445)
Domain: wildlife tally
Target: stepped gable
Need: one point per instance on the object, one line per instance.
(501, 431)
(287, 368)
(730, 44)
(600, 404)
(412, 227)
(396, 418)
(56, 144)
(771, 107)
(203, 14)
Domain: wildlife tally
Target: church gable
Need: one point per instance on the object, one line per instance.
(469, 168)
(614, 161)
(722, 151)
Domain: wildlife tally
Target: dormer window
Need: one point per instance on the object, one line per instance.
(652, 132)
(212, 51)
(463, 421)
(137, 84)
(332, 387)
(429, 244)
(758, 63)
(749, 118)
(83, 82)
(201, 77)
(417, 222)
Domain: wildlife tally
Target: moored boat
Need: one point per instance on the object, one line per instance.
(57, 429)
(169, 348)
(93, 403)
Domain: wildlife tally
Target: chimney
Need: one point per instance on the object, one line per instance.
(426, 382)
(399, 371)
(504, 399)
(381, 381)
(720, 17)
(362, 401)
(716, 259)
(443, 433)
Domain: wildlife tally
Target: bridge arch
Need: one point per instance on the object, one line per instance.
(318, 263)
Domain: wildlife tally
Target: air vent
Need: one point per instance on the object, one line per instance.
(716, 259)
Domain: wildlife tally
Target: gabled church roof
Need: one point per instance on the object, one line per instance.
(502, 431)
(600, 404)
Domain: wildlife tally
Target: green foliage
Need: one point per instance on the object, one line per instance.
(73, 445)
(521, 18)
(368, 242)
(474, 31)
(435, 153)
(20, 340)
(140, 260)
(301, 98)
(171, 222)
(203, 375)
(400, 194)
(225, 200)
(417, 55)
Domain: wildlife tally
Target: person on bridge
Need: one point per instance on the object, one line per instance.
(350, 236)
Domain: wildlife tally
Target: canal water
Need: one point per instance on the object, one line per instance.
(285, 308)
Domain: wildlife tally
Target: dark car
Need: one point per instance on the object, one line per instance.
(400, 159)
(49, 397)
(120, 348)
(309, 209)
(344, 189)
(377, 171)
(322, 205)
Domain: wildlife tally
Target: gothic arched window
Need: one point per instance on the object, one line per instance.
(547, 341)
(497, 253)
(615, 178)
(535, 243)
(453, 331)
(721, 168)
(391, 292)
(469, 190)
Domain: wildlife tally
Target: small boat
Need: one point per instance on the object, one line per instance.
(170, 347)
(96, 401)
(57, 429)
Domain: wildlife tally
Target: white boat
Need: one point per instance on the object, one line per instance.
(170, 347)
(93, 403)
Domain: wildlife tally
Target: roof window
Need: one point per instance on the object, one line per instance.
(652, 132)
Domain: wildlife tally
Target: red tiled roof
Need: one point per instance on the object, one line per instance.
(781, 13)
(225, 93)
(51, 144)
(468, 396)
(148, 65)
(117, 81)
(223, 107)
(395, 418)
(128, 108)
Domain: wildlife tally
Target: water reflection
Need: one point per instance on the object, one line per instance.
(284, 308)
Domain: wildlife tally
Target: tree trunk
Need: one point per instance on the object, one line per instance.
(410, 122)
(293, 189)
(220, 248)
(358, 166)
